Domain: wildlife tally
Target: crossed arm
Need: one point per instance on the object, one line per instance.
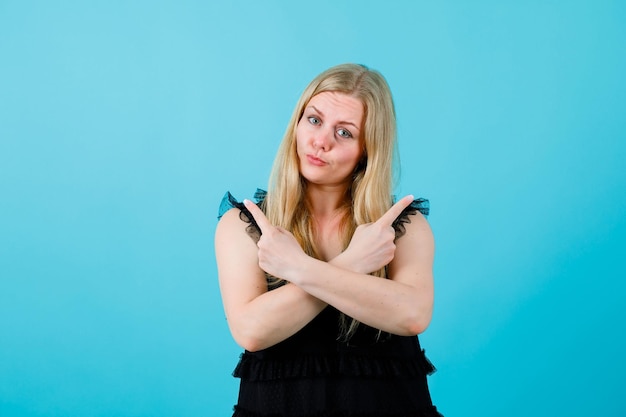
(258, 319)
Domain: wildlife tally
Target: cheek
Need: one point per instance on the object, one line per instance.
(351, 157)
(299, 145)
(299, 136)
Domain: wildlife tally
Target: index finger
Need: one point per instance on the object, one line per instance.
(258, 215)
(392, 214)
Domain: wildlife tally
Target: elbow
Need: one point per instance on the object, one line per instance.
(417, 327)
(417, 323)
(249, 333)
(244, 333)
(249, 342)
(249, 345)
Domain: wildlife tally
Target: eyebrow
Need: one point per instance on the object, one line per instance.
(341, 121)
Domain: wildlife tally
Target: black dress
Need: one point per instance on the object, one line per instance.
(313, 374)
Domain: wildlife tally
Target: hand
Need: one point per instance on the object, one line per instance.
(279, 252)
(372, 245)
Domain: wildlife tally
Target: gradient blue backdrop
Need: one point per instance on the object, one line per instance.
(122, 124)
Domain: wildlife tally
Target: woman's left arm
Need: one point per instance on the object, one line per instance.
(400, 305)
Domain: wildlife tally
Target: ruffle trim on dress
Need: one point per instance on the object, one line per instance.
(421, 205)
(427, 412)
(252, 368)
(228, 202)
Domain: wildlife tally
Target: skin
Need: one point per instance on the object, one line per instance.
(329, 132)
(328, 140)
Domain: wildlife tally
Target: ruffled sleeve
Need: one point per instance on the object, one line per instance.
(421, 205)
(228, 202)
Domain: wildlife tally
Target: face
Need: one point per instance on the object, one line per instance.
(328, 138)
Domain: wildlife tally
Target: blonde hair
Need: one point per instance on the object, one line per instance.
(370, 194)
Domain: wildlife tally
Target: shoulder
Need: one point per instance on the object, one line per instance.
(231, 220)
(235, 248)
(414, 227)
(230, 228)
(229, 216)
(415, 249)
(413, 232)
(414, 215)
(234, 217)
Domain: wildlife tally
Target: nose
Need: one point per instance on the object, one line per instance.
(323, 139)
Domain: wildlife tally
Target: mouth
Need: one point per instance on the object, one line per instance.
(313, 160)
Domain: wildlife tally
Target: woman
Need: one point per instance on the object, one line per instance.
(325, 282)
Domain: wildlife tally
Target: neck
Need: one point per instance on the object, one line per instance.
(325, 201)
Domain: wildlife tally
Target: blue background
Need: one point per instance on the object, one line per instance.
(122, 124)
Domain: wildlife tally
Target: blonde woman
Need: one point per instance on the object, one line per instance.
(325, 281)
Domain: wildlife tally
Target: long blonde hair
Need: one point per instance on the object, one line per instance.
(370, 194)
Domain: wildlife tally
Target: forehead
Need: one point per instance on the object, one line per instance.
(339, 105)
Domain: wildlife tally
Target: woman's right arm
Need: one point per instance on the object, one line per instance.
(257, 318)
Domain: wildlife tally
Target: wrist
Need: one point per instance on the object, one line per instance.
(297, 272)
(344, 261)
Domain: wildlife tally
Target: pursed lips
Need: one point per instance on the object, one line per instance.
(315, 160)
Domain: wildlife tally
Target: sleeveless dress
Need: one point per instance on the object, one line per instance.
(314, 374)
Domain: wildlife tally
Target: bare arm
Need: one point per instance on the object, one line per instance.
(401, 304)
(257, 318)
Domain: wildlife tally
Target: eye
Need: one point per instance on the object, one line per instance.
(344, 133)
(314, 120)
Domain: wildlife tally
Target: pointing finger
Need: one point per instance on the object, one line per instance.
(258, 215)
(392, 214)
